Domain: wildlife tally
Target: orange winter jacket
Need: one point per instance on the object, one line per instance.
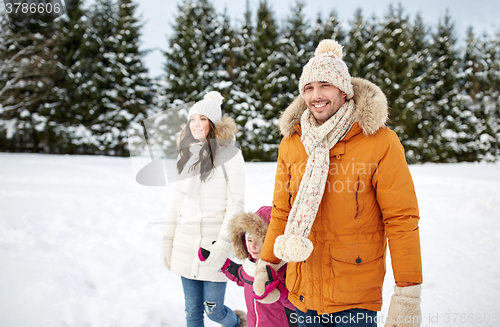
(369, 197)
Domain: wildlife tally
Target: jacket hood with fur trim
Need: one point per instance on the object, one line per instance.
(371, 110)
(246, 222)
(225, 130)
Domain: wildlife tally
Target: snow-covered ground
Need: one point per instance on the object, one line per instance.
(80, 243)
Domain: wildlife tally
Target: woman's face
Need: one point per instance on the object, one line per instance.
(199, 126)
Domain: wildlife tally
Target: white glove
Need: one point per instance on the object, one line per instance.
(404, 310)
(166, 251)
(218, 254)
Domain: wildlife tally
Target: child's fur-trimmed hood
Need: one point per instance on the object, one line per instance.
(371, 110)
(242, 223)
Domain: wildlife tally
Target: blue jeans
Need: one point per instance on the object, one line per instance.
(209, 296)
(347, 318)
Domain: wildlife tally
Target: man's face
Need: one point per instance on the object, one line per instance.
(323, 100)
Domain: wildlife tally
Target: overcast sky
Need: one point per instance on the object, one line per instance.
(159, 15)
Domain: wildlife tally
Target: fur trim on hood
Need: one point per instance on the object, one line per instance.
(225, 130)
(371, 110)
(244, 222)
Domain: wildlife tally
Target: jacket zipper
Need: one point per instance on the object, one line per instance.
(357, 203)
(256, 313)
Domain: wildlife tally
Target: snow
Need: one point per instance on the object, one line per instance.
(80, 243)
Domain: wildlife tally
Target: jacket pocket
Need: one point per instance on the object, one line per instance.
(358, 270)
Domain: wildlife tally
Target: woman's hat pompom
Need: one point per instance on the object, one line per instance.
(214, 95)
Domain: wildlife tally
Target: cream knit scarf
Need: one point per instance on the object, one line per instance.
(294, 245)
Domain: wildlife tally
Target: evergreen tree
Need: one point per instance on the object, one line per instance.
(27, 74)
(360, 50)
(65, 117)
(133, 84)
(395, 74)
(414, 111)
(240, 104)
(492, 98)
(113, 84)
(223, 56)
(296, 54)
(262, 127)
(480, 107)
(469, 78)
(441, 110)
(330, 29)
(191, 62)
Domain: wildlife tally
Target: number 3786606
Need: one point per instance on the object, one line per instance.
(32, 8)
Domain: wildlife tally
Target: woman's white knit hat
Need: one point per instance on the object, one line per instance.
(327, 66)
(209, 107)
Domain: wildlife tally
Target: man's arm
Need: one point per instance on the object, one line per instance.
(279, 214)
(398, 203)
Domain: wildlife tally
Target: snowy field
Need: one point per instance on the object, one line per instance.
(80, 243)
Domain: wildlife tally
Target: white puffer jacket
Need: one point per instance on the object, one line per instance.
(197, 220)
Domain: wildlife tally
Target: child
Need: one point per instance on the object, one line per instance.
(247, 233)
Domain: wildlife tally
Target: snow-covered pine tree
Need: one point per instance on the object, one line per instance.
(27, 74)
(330, 29)
(222, 56)
(295, 46)
(441, 90)
(113, 86)
(470, 71)
(192, 68)
(415, 112)
(134, 95)
(396, 74)
(95, 73)
(262, 127)
(66, 116)
(479, 100)
(360, 49)
(492, 97)
(240, 105)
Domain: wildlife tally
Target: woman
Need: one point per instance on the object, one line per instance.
(210, 191)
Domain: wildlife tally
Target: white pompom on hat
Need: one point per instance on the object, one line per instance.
(209, 107)
(327, 66)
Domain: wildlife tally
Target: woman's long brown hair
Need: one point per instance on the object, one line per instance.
(207, 152)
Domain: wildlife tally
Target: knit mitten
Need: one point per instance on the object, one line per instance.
(218, 254)
(404, 310)
(267, 286)
(166, 251)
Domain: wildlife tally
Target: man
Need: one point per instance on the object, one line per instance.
(342, 189)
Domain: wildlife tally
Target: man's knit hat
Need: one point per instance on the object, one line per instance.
(208, 107)
(327, 66)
